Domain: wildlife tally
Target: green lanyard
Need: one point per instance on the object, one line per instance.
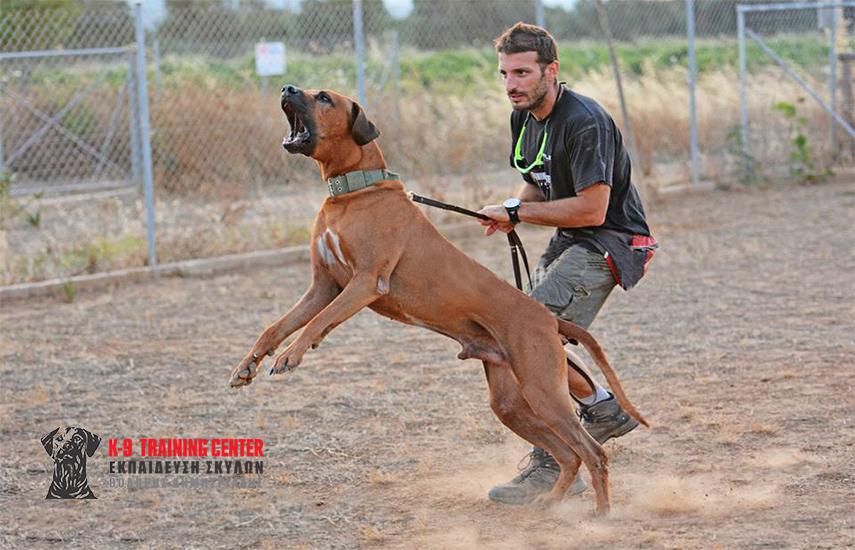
(518, 155)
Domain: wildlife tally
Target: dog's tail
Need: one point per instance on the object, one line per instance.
(575, 332)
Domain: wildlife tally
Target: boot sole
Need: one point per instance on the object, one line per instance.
(579, 486)
(619, 431)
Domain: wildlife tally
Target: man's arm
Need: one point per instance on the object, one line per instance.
(530, 193)
(587, 209)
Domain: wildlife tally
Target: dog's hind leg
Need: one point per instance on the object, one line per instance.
(569, 330)
(510, 406)
(542, 376)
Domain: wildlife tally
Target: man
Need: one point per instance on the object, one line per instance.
(577, 178)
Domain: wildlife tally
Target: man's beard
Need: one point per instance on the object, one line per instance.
(538, 96)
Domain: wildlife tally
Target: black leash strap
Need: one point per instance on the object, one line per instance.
(514, 240)
(516, 246)
(583, 374)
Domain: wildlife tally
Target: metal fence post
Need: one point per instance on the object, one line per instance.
(155, 52)
(359, 40)
(832, 81)
(133, 118)
(743, 75)
(145, 133)
(2, 156)
(627, 124)
(690, 28)
(396, 71)
(846, 60)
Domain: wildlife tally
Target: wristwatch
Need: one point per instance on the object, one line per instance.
(513, 206)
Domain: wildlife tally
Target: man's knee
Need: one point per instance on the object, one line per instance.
(575, 286)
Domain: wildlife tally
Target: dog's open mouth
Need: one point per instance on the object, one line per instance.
(300, 134)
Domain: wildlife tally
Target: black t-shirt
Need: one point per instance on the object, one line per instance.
(584, 146)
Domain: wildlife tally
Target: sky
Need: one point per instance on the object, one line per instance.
(155, 10)
(402, 8)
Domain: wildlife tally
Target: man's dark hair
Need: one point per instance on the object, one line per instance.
(528, 38)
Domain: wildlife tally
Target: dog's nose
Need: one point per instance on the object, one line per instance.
(289, 90)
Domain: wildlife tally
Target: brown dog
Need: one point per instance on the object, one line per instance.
(374, 248)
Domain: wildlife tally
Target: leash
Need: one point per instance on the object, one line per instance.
(514, 240)
(516, 245)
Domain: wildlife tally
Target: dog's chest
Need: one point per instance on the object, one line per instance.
(331, 253)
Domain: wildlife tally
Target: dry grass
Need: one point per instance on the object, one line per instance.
(659, 107)
(228, 187)
(441, 135)
(366, 444)
(726, 429)
(763, 428)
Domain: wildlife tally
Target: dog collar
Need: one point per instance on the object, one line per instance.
(354, 181)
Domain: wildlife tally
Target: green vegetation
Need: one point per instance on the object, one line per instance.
(34, 218)
(34, 24)
(12, 209)
(69, 291)
(79, 122)
(449, 71)
(749, 168)
(452, 70)
(801, 163)
(89, 257)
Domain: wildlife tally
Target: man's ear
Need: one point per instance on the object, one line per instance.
(363, 130)
(92, 442)
(47, 442)
(553, 69)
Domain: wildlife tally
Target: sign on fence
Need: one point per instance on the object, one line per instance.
(270, 58)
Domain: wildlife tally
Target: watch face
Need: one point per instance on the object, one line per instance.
(511, 203)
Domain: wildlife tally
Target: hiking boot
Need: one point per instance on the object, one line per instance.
(606, 420)
(537, 479)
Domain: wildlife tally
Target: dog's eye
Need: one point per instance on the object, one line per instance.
(323, 97)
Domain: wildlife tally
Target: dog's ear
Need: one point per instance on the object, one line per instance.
(92, 442)
(47, 441)
(363, 130)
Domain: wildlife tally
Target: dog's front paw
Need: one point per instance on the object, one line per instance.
(243, 374)
(288, 361)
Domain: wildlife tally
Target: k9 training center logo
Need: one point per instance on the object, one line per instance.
(69, 448)
(191, 463)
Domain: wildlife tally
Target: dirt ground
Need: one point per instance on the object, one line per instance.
(738, 347)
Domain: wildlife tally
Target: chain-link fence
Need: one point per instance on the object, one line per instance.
(796, 114)
(66, 99)
(223, 184)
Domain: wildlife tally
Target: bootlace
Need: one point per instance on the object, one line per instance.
(537, 459)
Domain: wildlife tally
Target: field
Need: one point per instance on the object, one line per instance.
(738, 347)
(216, 196)
(223, 183)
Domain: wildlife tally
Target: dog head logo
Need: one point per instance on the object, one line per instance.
(69, 448)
